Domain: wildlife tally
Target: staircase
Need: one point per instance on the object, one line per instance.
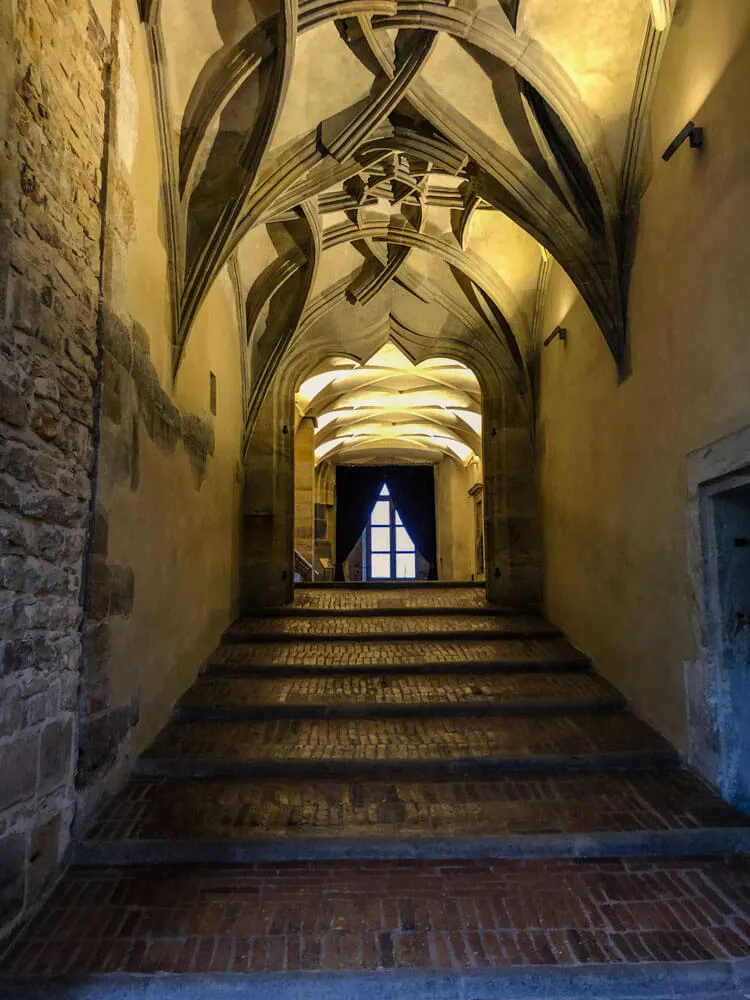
(398, 792)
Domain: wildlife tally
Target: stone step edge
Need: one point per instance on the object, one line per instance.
(561, 666)
(491, 611)
(187, 767)
(493, 635)
(285, 847)
(527, 706)
(712, 980)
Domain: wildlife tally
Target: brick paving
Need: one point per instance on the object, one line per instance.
(352, 599)
(401, 690)
(406, 915)
(333, 655)
(416, 740)
(512, 804)
(402, 625)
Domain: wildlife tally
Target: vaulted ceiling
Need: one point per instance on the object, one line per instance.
(391, 410)
(407, 163)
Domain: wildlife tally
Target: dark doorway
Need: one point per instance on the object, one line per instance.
(385, 522)
(727, 539)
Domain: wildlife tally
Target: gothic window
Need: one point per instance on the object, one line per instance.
(392, 554)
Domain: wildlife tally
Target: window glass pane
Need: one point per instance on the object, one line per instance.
(398, 518)
(381, 513)
(381, 566)
(406, 566)
(385, 492)
(381, 539)
(403, 542)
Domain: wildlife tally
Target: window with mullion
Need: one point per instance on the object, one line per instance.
(392, 553)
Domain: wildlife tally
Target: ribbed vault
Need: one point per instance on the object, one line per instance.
(340, 156)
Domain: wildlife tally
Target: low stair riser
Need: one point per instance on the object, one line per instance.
(151, 767)
(291, 848)
(401, 711)
(399, 669)
(449, 635)
(388, 612)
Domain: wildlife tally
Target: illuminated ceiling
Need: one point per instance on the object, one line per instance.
(409, 163)
(391, 410)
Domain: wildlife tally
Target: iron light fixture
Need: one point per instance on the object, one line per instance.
(560, 332)
(692, 132)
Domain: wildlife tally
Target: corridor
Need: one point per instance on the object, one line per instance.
(400, 779)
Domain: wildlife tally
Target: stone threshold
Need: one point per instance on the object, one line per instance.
(287, 847)
(292, 767)
(710, 980)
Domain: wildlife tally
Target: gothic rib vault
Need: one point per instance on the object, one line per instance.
(400, 169)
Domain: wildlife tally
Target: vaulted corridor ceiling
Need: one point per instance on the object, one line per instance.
(400, 164)
(391, 410)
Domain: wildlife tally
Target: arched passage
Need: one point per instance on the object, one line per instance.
(510, 538)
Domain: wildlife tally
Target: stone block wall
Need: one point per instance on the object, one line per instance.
(52, 64)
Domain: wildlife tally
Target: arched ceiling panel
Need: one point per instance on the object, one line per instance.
(599, 43)
(321, 65)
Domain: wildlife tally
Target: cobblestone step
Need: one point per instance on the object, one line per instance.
(423, 746)
(297, 658)
(644, 928)
(560, 815)
(410, 627)
(319, 599)
(356, 695)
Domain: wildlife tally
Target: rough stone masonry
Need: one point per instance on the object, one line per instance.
(52, 65)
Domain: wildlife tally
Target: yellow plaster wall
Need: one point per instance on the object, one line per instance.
(612, 456)
(454, 516)
(179, 530)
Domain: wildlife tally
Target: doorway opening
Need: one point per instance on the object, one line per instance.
(726, 536)
(414, 427)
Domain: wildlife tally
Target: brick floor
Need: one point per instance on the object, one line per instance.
(511, 804)
(333, 655)
(401, 625)
(401, 690)
(419, 740)
(409, 915)
(351, 599)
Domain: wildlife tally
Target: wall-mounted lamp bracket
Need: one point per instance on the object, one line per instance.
(560, 332)
(693, 132)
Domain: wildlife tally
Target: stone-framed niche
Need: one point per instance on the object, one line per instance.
(717, 683)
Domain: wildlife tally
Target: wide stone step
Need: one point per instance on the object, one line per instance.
(423, 746)
(382, 930)
(354, 695)
(373, 656)
(552, 815)
(390, 626)
(429, 598)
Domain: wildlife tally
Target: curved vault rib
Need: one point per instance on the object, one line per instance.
(205, 268)
(533, 206)
(225, 74)
(284, 335)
